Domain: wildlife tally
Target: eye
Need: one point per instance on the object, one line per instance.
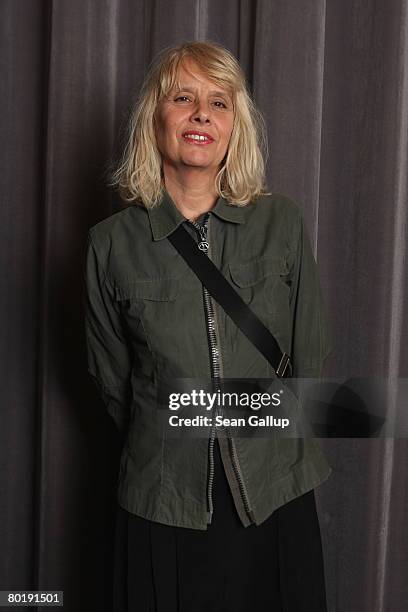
(180, 97)
(220, 102)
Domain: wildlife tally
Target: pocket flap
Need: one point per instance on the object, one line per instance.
(250, 273)
(159, 290)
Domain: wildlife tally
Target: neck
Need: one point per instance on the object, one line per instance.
(192, 191)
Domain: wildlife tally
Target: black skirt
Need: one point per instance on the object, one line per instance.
(276, 566)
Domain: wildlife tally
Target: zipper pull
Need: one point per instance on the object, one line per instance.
(203, 244)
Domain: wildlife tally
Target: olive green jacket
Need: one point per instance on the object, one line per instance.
(145, 322)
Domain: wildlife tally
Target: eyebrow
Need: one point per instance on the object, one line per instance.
(213, 92)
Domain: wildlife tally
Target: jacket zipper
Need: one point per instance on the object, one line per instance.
(215, 368)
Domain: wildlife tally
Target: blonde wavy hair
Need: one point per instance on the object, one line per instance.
(240, 180)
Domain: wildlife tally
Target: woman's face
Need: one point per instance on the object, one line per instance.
(199, 108)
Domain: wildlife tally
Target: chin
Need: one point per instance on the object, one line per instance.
(197, 162)
(198, 159)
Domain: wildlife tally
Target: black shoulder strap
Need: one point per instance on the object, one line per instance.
(229, 299)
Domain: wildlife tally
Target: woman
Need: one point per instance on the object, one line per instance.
(204, 523)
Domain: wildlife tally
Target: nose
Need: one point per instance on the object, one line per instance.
(201, 113)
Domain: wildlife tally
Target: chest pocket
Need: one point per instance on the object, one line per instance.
(264, 285)
(151, 303)
(150, 308)
(156, 290)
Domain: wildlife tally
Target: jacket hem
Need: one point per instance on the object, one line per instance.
(130, 503)
(300, 480)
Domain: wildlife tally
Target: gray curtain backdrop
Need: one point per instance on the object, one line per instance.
(331, 77)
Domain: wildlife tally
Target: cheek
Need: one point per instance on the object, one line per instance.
(226, 135)
(164, 126)
(170, 131)
(167, 136)
(226, 129)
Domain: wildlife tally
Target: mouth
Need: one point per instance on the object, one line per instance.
(197, 138)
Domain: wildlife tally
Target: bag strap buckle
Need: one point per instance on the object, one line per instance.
(283, 364)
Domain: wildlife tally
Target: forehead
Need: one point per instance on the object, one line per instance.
(189, 75)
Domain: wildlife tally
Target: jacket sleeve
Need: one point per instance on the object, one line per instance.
(311, 342)
(108, 356)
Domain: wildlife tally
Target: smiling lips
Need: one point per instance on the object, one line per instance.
(197, 138)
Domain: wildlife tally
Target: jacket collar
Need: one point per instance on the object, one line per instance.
(165, 216)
